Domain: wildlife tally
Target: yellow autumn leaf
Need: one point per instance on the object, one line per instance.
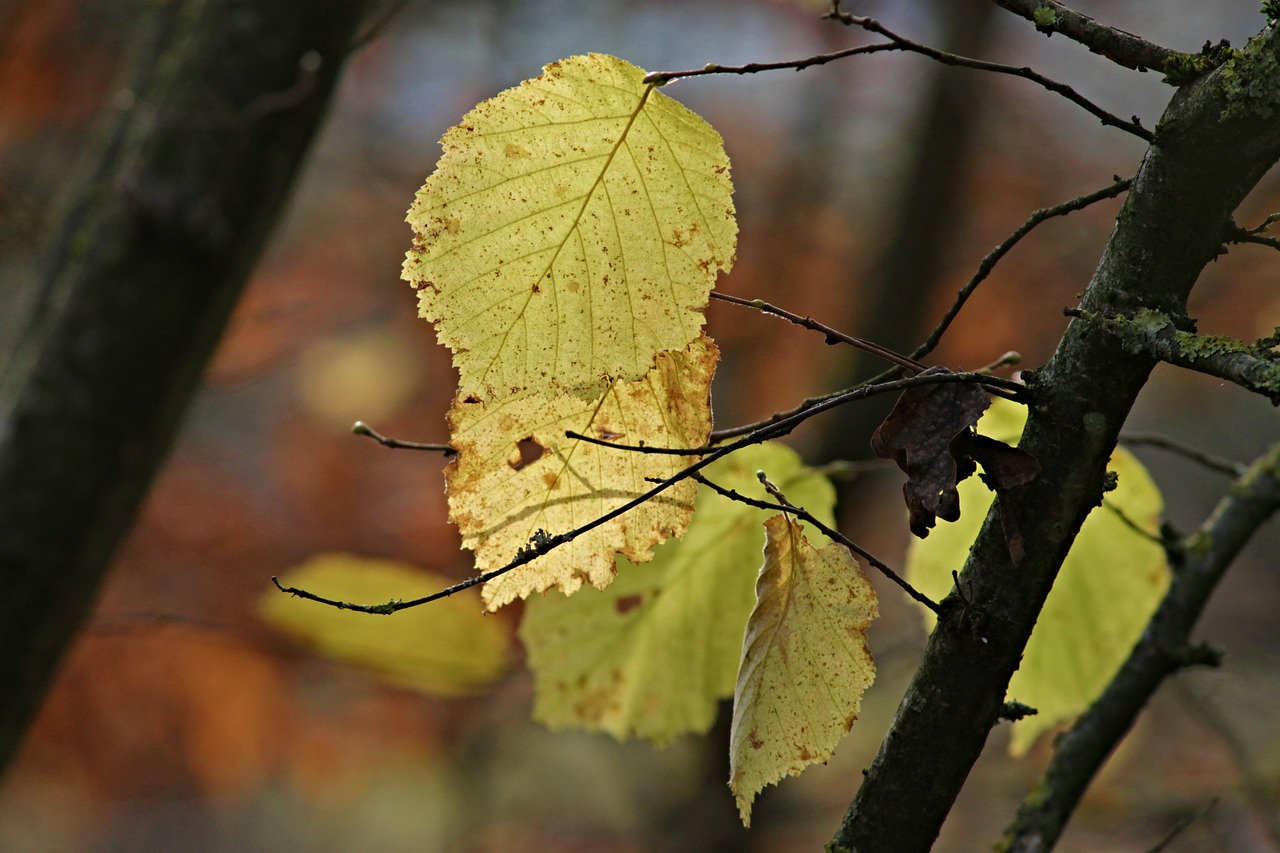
(805, 661)
(1109, 585)
(652, 655)
(449, 649)
(517, 473)
(572, 230)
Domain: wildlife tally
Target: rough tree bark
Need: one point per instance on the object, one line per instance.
(136, 288)
(1218, 136)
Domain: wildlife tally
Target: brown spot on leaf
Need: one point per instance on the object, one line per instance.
(755, 740)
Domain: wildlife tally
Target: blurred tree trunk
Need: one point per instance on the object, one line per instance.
(135, 289)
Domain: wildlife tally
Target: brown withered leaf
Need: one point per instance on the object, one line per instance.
(1004, 468)
(919, 434)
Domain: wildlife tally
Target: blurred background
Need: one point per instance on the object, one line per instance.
(867, 190)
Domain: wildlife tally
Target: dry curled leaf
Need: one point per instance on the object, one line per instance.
(1004, 469)
(918, 435)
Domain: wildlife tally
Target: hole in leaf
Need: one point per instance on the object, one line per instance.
(530, 452)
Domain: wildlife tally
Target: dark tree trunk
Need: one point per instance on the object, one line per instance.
(136, 288)
(1217, 138)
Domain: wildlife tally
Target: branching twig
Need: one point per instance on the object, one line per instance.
(1120, 47)
(785, 505)
(782, 423)
(832, 335)
(1237, 234)
(871, 25)
(543, 543)
(1162, 650)
(1208, 460)
(661, 78)
(993, 257)
(362, 428)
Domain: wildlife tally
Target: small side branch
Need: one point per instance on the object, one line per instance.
(1252, 367)
(1122, 48)
(833, 336)
(362, 428)
(871, 25)
(1164, 648)
(993, 257)
(661, 78)
(1164, 442)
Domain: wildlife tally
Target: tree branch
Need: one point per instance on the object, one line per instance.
(871, 25)
(134, 293)
(1218, 136)
(1164, 648)
(1122, 48)
(1157, 335)
(988, 263)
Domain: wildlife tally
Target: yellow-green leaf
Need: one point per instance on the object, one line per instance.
(517, 473)
(572, 230)
(805, 661)
(448, 649)
(1108, 587)
(653, 654)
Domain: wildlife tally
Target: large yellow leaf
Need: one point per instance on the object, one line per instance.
(805, 661)
(517, 473)
(653, 654)
(572, 230)
(1109, 585)
(447, 649)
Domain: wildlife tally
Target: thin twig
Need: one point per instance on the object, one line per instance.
(1132, 524)
(1181, 827)
(785, 505)
(993, 257)
(871, 25)
(543, 543)
(661, 78)
(362, 428)
(1164, 442)
(1240, 235)
(832, 335)
(820, 404)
